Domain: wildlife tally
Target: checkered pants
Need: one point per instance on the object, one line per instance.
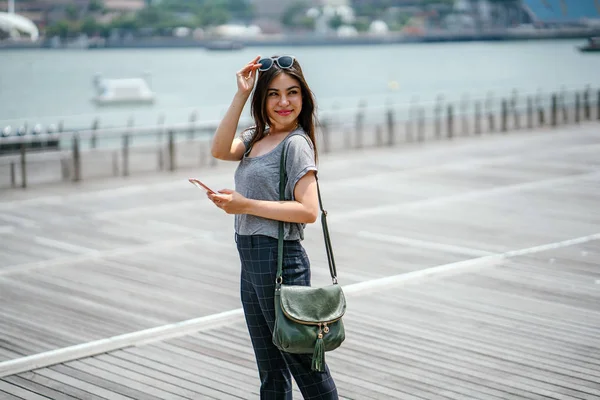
(258, 255)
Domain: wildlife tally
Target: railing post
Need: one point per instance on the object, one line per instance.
(598, 106)
(541, 117)
(514, 104)
(76, 159)
(464, 105)
(359, 129)
(437, 116)
(23, 165)
(125, 154)
(563, 106)
(421, 123)
(95, 126)
(326, 135)
(450, 122)
(553, 117)
(390, 127)
(193, 118)
(159, 139)
(489, 105)
(577, 107)
(477, 118)
(529, 112)
(586, 104)
(504, 116)
(13, 173)
(172, 165)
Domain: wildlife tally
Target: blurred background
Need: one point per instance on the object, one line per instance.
(125, 74)
(143, 62)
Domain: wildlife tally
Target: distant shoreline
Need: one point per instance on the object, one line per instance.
(291, 40)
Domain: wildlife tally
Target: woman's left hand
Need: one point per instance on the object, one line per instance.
(229, 201)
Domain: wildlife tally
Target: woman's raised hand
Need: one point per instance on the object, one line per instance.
(247, 75)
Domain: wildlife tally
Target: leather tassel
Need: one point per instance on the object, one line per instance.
(318, 359)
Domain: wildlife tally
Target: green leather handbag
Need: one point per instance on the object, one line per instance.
(308, 320)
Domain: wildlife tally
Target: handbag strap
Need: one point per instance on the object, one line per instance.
(328, 247)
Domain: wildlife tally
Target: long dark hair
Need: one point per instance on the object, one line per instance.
(307, 117)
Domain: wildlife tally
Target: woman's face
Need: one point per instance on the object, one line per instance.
(284, 101)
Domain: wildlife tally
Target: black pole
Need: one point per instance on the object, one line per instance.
(76, 159)
(23, 165)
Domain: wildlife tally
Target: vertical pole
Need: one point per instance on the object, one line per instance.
(193, 118)
(172, 151)
(450, 126)
(160, 147)
(326, 138)
(360, 117)
(437, 116)
(125, 154)
(464, 105)
(515, 109)
(554, 112)
(13, 175)
(577, 107)
(23, 165)
(95, 125)
(76, 159)
(586, 104)
(598, 106)
(504, 116)
(541, 117)
(563, 104)
(409, 121)
(421, 123)
(529, 112)
(489, 102)
(478, 117)
(390, 126)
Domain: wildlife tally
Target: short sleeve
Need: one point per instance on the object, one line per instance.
(300, 159)
(246, 136)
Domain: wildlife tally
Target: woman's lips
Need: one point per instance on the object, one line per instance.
(284, 113)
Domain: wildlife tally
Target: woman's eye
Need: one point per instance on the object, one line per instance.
(273, 94)
(293, 92)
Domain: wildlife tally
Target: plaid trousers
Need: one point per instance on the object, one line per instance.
(258, 255)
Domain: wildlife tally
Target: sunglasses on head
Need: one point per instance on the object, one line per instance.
(284, 62)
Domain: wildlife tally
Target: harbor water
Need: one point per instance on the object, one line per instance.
(56, 86)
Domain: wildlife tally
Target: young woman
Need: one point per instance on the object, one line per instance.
(283, 110)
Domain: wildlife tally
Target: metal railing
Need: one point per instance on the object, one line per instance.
(98, 153)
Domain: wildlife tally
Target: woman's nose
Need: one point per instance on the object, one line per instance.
(283, 100)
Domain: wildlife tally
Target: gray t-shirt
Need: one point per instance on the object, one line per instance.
(258, 178)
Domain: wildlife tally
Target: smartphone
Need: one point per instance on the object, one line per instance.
(201, 185)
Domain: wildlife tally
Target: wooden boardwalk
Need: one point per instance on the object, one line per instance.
(471, 267)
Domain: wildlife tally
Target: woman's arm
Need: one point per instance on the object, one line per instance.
(305, 209)
(224, 147)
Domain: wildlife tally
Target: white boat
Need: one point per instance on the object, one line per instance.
(122, 91)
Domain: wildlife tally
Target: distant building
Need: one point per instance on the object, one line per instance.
(563, 12)
(44, 12)
(124, 5)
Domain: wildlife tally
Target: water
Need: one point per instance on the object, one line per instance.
(48, 86)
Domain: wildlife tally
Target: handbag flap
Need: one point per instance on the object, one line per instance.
(313, 305)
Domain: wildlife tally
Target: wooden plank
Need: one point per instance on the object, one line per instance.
(38, 388)
(19, 392)
(121, 381)
(62, 375)
(57, 386)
